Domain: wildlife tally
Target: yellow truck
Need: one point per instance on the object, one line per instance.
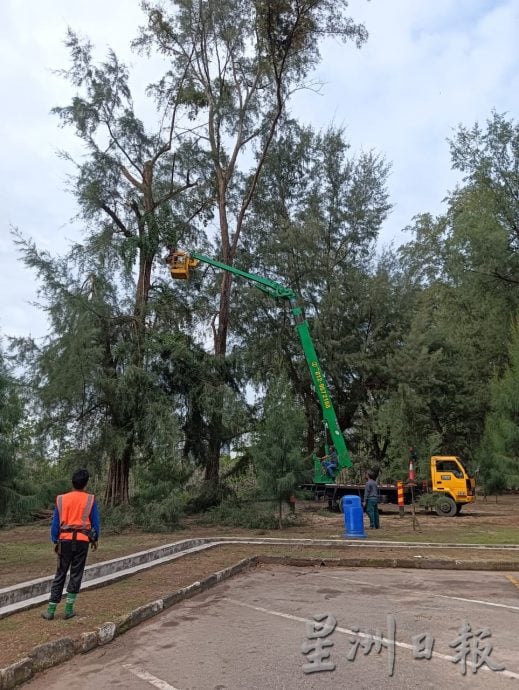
(452, 484)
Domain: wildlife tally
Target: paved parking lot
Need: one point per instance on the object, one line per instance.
(249, 633)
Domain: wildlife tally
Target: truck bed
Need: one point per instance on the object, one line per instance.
(333, 493)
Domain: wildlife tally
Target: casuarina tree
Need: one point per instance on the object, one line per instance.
(277, 454)
(138, 189)
(242, 60)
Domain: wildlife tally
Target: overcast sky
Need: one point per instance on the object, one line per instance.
(428, 66)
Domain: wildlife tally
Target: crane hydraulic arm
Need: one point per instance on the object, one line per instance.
(181, 263)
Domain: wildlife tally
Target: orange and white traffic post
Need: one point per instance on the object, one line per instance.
(400, 492)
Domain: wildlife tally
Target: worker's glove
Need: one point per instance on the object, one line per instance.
(56, 547)
(93, 545)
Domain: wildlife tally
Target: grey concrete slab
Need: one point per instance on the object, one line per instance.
(247, 633)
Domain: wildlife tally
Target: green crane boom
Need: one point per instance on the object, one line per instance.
(181, 263)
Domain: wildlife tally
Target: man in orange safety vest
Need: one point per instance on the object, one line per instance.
(75, 525)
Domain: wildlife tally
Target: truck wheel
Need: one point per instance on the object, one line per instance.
(445, 507)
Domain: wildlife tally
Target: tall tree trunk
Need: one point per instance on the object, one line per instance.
(212, 470)
(117, 489)
(117, 485)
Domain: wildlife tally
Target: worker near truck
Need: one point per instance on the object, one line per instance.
(75, 526)
(371, 500)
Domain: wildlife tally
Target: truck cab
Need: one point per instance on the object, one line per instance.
(450, 478)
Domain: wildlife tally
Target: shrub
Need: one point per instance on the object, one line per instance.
(161, 516)
(249, 516)
(117, 519)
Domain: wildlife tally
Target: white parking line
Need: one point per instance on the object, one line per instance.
(478, 601)
(347, 631)
(148, 677)
(431, 594)
(348, 579)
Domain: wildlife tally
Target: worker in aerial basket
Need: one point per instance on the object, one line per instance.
(330, 462)
(75, 526)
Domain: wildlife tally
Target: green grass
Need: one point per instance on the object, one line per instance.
(460, 535)
(27, 560)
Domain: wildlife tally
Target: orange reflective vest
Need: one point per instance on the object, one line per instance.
(74, 515)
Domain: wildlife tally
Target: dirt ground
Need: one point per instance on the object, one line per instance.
(26, 552)
(22, 631)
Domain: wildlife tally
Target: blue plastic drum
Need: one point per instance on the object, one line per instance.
(353, 518)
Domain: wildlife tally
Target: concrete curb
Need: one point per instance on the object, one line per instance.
(373, 543)
(421, 563)
(50, 654)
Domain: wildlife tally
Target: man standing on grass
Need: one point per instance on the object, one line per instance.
(371, 499)
(75, 525)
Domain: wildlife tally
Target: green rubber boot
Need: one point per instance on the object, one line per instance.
(69, 606)
(50, 612)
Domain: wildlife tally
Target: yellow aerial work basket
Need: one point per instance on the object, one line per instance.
(180, 263)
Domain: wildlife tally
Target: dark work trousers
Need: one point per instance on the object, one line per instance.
(71, 555)
(372, 511)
